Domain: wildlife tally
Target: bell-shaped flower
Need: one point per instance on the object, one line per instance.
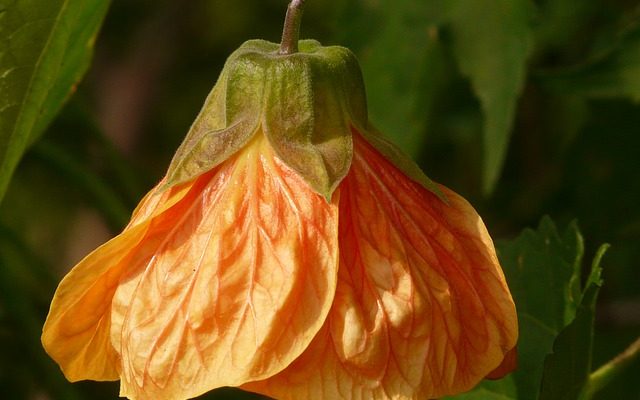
(290, 251)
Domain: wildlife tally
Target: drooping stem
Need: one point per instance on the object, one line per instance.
(291, 31)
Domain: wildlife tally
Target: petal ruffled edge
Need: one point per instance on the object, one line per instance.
(76, 331)
(422, 308)
(239, 284)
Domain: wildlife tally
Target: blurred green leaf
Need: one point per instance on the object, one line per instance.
(24, 288)
(104, 198)
(403, 65)
(567, 369)
(492, 40)
(559, 24)
(609, 74)
(46, 47)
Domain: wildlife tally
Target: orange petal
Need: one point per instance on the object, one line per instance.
(237, 286)
(76, 332)
(422, 309)
(509, 363)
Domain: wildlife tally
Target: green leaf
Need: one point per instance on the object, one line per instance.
(567, 370)
(491, 41)
(45, 49)
(503, 389)
(542, 268)
(543, 271)
(609, 74)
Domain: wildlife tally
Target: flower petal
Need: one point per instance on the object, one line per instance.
(238, 284)
(76, 332)
(509, 363)
(421, 309)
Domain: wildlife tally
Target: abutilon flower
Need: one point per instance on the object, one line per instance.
(290, 251)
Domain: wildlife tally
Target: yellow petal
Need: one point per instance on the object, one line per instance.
(76, 332)
(238, 285)
(422, 308)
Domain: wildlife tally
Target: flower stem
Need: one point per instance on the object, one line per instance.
(291, 31)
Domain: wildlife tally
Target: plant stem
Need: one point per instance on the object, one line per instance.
(291, 30)
(603, 375)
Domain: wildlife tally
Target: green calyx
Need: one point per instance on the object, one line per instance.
(307, 104)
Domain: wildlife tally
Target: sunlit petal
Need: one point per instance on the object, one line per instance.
(421, 309)
(76, 333)
(238, 284)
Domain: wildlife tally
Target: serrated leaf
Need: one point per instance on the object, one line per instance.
(542, 269)
(491, 41)
(45, 47)
(567, 369)
(613, 73)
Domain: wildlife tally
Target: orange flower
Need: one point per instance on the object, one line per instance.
(421, 307)
(290, 251)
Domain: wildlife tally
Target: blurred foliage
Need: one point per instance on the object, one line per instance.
(525, 107)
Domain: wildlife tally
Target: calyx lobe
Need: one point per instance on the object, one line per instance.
(304, 103)
(307, 104)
